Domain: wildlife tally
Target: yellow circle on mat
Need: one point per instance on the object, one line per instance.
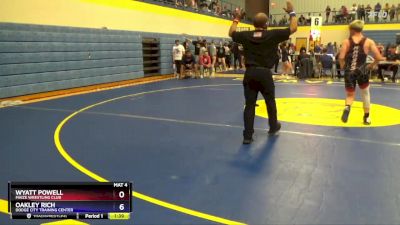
(328, 112)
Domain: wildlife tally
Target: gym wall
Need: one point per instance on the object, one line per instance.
(48, 45)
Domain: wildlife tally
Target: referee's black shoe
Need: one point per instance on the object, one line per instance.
(247, 141)
(274, 131)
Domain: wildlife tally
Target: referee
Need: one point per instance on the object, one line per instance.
(260, 52)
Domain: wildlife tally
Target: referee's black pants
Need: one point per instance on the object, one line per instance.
(258, 79)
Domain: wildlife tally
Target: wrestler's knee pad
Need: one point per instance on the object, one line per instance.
(366, 98)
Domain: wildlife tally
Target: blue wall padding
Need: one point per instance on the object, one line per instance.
(382, 36)
(40, 58)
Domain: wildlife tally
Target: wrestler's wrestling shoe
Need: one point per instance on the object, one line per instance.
(345, 115)
(274, 131)
(367, 120)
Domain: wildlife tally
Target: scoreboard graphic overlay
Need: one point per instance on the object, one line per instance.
(70, 200)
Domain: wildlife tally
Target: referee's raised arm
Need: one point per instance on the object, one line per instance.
(289, 9)
(292, 16)
(238, 16)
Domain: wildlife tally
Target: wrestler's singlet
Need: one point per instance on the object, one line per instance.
(356, 66)
(356, 57)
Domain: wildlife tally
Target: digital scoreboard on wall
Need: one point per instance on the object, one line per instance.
(70, 200)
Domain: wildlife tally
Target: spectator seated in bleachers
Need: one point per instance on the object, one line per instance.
(283, 21)
(203, 5)
(342, 16)
(179, 3)
(302, 20)
(274, 22)
(226, 12)
(215, 7)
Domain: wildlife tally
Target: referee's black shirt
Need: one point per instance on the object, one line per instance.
(261, 46)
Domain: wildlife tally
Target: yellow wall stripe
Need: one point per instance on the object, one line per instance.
(156, 9)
